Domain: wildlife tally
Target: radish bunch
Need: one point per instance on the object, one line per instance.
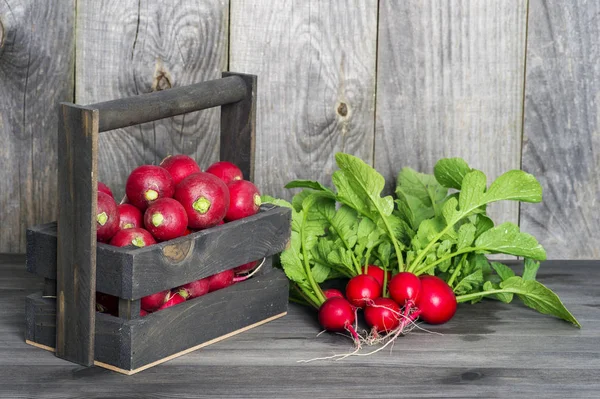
(171, 200)
(410, 297)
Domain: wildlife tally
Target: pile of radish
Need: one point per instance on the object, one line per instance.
(410, 297)
(170, 200)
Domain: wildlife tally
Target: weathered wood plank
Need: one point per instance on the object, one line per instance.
(450, 83)
(134, 344)
(562, 126)
(129, 48)
(36, 73)
(133, 273)
(238, 129)
(315, 63)
(76, 234)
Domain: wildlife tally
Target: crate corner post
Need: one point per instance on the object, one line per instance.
(78, 130)
(238, 127)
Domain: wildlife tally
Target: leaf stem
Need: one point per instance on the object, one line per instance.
(455, 274)
(468, 297)
(429, 266)
(320, 297)
(307, 296)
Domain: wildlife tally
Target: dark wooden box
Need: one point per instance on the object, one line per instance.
(63, 317)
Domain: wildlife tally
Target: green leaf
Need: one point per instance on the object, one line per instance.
(267, 199)
(538, 297)
(423, 187)
(450, 172)
(530, 269)
(482, 223)
(466, 236)
(505, 297)
(445, 248)
(314, 185)
(503, 271)
(506, 238)
(472, 194)
(320, 272)
(515, 185)
(469, 283)
(359, 186)
(316, 210)
(292, 265)
(344, 223)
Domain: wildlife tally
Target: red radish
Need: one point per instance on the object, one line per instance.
(154, 301)
(187, 231)
(107, 217)
(205, 199)
(362, 289)
(180, 166)
(336, 314)
(129, 216)
(220, 280)
(103, 188)
(225, 171)
(244, 200)
(143, 313)
(175, 299)
(436, 302)
(134, 236)
(194, 289)
(166, 219)
(246, 267)
(106, 303)
(404, 287)
(377, 273)
(332, 293)
(383, 314)
(148, 183)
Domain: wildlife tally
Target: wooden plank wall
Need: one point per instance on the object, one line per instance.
(316, 65)
(504, 84)
(36, 73)
(562, 126)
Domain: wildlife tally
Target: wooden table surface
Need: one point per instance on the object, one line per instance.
(487, 350)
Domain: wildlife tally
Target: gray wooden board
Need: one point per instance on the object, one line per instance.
(488, 350)
(562, 126)
(315, 63)
(36, 73)
(126, 48)
(76, 233)
(450, 84)
(133, 273)
(134, 344)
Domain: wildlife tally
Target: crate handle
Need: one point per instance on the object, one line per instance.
(78, 130)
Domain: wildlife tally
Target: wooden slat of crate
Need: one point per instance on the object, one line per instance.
(132, 346)
(134, 273)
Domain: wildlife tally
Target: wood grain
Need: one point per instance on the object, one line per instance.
(562, 127)
(36, 73)
(134, 345)
(126, 48)
(488, 350)
(238, 128)
(315, 63)
(450, 84)
(76, 233)
(134, 273)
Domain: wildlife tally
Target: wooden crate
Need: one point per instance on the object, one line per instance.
(63, 318)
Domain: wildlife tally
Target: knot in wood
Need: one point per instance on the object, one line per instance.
(342, 109)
